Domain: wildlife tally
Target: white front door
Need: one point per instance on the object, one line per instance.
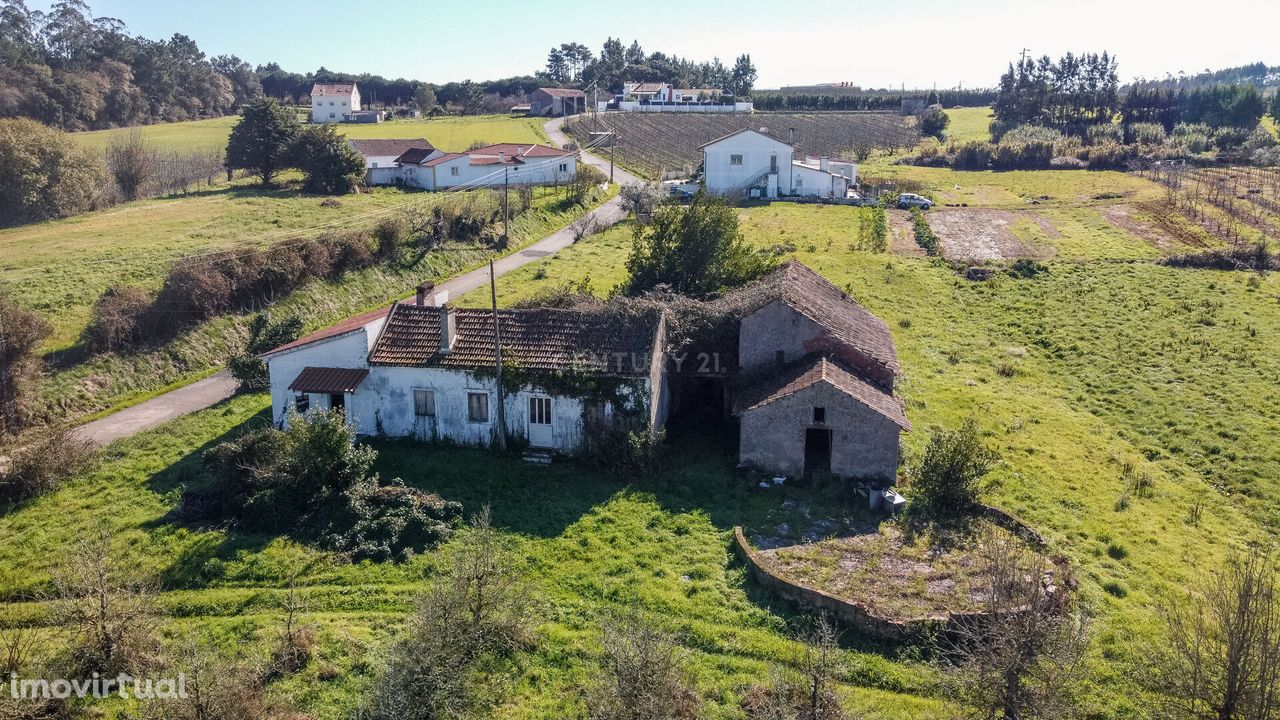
(540, 434)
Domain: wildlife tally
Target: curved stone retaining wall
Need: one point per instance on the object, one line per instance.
(857, 615)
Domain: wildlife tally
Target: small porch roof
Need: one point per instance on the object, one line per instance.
(328, 380)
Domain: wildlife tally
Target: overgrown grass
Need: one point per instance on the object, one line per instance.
(92, 384)
(969, 124)
(1017, 188)
(450, 133)
(1118, 365)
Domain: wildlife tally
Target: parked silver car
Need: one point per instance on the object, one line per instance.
(910, 200)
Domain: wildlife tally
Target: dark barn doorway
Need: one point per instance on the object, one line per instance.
(817, 450)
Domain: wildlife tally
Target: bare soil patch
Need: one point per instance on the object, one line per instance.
(902, 237)
(981, 234)
(1168, 237)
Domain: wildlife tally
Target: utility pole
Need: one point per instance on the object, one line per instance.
(497, 355)
(506, 215)
(613, 149)
(1023, 57)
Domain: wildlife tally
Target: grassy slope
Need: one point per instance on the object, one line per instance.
(117, 380)
(969, 124)
(447, 133)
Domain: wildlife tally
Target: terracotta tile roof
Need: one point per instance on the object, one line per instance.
(328, 380)
(351, 324)
(332, 89)
(441, 158)
(563, 92)
(813, 296)
(607, 343)
(817, 369)
(389, 146)
(416, 155)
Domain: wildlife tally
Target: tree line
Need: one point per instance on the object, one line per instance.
(1075, 92)
(574, 64)
(854, 99)
(72, 70)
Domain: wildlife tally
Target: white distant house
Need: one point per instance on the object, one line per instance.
(749, 163)
(488, 166)
(380, 156)
(665, 97)
(426, 370)
(333, 102)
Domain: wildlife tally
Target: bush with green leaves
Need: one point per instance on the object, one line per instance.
(330, 164)
(44, 174)
(973, 155)
(925, 237)
(1104, 134)
(22, 332)
(262, 142)
(949, 480)
(45, 459)
(1194, 138)
(1146, 133)
(695, 250)
(264, 335)
(315, 480)
(934, 122)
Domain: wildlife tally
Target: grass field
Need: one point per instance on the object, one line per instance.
(968, 124)
(447, 133)
(1113, 365)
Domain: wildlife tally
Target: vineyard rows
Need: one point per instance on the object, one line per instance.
(1237, 204)
(658, 143)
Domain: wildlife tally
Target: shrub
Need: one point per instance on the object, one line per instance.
(262, 142)
(973, 155)
(118, 319)
(1109, 157)
(130, 164)
(934, 122)
(643, 675)
(21, 334)
(314, 479)
(389, 234)
(640, 199)
(873, 231)
(1229, 138)
(948, 482)
(1147, 133)
(614, 447)
(42, 463)
(1192, 138)
(1104, 134)
(1256, 258)
(44, 174)
(331, 165)
(695, 249)
(1030, 155)
(1032, 133)
(925, 237)
(264, 335)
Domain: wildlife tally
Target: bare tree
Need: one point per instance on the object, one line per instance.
(131, 163)
(107, 607)
(643, 674)
(455, 657)
(1221, 660)
(297, 639)
(217, 688)
(1023, 656)
(808, 694)
(584, 225)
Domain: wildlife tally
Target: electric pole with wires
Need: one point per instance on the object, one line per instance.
(497, 356)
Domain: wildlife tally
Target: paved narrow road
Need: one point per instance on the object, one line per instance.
(216, 388)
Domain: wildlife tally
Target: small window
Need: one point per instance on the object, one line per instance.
(453, 170)
(302, 402)
(337, 401)
(478, 407)
(564, 167)
(424, 403)
(819, 415)
(799, 181)
(735, 159)
(373, 164)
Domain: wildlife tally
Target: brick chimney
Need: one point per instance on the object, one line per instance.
(424, 293)
(448, 326)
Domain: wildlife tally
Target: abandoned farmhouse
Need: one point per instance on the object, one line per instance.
(807, 373)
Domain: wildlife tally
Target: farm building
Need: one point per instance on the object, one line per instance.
(426, 370)
(333, 102)
(556, 102)
(809, 375)
(514, 163)
(380, 156)
(664, 97)
(751, 163)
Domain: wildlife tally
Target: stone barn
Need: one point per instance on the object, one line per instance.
(814, 390)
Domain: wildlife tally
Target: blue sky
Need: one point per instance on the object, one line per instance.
(875, 44)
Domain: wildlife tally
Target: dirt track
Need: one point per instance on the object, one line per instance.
(980, 234)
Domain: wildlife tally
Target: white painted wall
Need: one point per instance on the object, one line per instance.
(333, 108)
(344, 351)
(756, 150)
(385, 400)
(534, 171)
(634, 106)
(811, 182)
